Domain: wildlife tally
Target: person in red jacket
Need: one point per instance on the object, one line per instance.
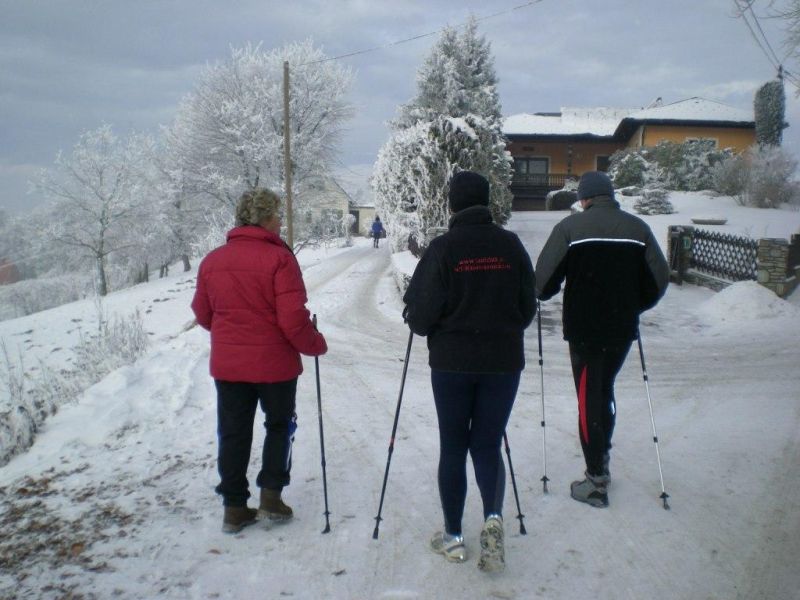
(251, 297)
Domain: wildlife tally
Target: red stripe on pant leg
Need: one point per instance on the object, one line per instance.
(582, 407)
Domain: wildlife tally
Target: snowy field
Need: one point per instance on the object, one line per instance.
(115, 499)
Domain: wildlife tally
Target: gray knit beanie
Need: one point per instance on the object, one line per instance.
(255, 206)
(595, 183)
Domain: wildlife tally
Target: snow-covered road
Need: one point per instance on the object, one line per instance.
(116, 497)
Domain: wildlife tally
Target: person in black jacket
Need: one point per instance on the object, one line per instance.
(614, 270)
(472, 294)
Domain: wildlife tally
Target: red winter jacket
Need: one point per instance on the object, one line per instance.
(250, 295)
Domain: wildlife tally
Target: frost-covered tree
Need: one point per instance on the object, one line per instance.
(769, 106)
(180, 216)
(456, 79)
(413, 170)
(228, 134)
(452, 124)
(94, 211)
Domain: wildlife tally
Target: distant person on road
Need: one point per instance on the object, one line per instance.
(250, 295)
(377, 231)
(472, 294)
(614, 270)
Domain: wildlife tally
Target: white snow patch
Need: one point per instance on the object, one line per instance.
(405, 262)
(746, 301)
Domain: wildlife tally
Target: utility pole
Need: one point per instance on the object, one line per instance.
(287, 160)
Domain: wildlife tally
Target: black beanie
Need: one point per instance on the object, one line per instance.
(595, 183)
(468, 189)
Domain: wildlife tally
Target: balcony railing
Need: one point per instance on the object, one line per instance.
(550, 180)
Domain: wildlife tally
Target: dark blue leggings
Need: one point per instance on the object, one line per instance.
(473, 410)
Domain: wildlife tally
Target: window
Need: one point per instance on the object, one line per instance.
(714, 142)
(601, 162)
(530, 169)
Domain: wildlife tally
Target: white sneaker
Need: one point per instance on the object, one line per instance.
(493, 558)
(451, 546)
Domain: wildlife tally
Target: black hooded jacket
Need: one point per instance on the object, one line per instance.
(473, 295)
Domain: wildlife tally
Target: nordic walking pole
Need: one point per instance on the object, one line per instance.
(520, 516)
(322, 440)
(391, 439)
(544, 479)
(664, 494)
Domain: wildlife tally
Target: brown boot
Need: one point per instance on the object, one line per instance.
(272, 507)
(237, 518)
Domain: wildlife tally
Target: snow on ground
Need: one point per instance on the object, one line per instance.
(115, 499)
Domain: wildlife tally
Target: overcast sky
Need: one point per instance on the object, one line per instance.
(67, 66)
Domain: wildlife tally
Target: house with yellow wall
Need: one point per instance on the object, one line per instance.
(549, 148)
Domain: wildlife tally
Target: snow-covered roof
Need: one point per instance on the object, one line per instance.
(693, 109)
(604, 121)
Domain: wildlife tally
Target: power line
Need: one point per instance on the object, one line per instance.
(743, 6)
(743, 15)
(763, 35)
(418, 37)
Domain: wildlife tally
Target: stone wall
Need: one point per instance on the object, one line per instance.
(774, 271)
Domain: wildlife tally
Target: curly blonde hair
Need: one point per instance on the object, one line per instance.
(256, 206)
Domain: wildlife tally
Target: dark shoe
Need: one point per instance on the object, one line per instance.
(237, 518)
(272, 507)
(593, 490)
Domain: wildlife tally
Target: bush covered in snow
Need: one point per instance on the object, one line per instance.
(35, 394)
(630, 190)
(761, 177)
(560, 199)
(669, 165)
(653, 202)
(32, 295)
(628, 168)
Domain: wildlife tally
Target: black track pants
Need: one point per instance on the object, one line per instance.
(236, 409)
(595, 368)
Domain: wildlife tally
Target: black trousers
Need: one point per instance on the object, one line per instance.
(236, 410)
(595, 368)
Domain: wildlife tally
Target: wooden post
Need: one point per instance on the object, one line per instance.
(287, 160)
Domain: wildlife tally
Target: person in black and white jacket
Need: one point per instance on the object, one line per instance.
(614, 270)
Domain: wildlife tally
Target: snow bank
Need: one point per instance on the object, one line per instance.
(745, 301)
(405, 262)
(403, 265)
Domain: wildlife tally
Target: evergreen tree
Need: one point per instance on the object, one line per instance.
(453, 123)
(770, 106)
